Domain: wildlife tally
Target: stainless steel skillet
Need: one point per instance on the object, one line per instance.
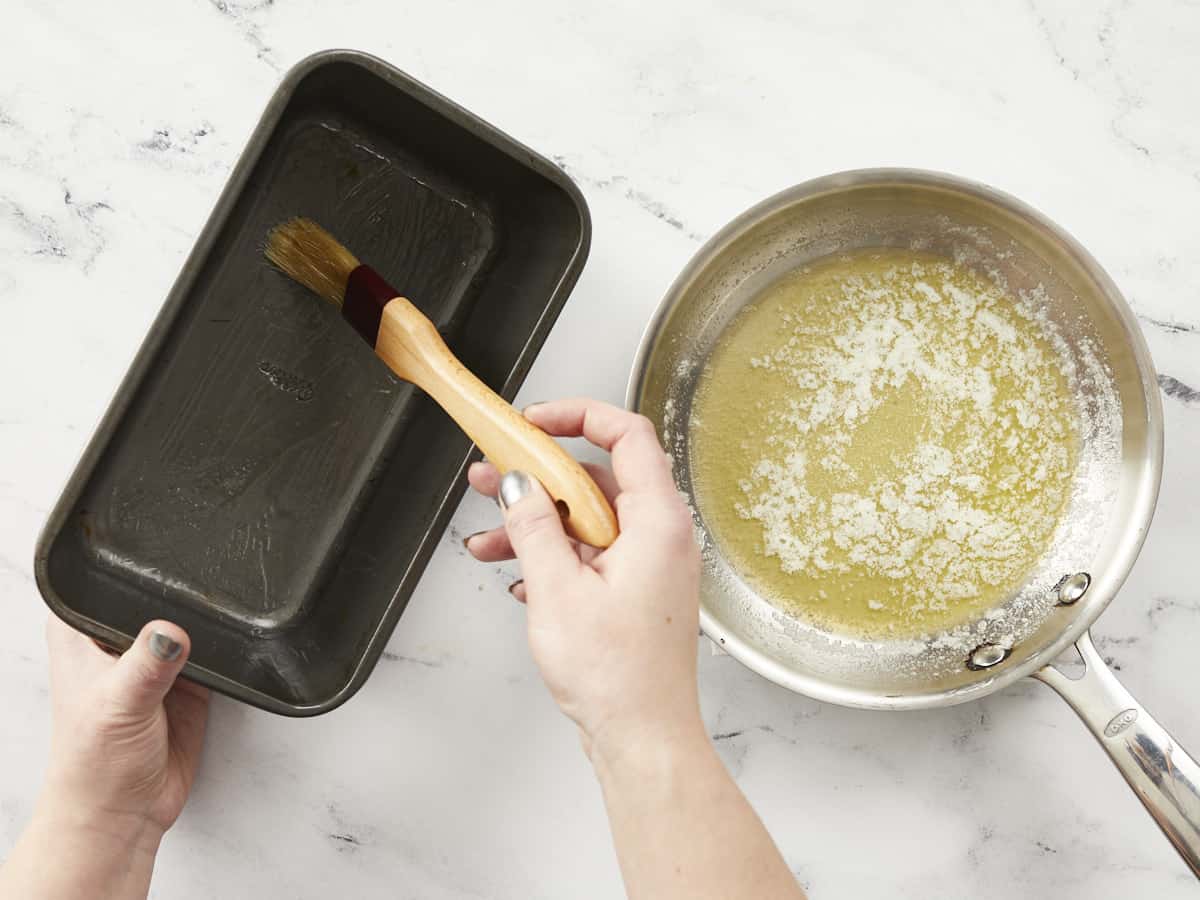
(1103, 527)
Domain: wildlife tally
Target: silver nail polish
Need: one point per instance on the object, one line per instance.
(164, 648)
(513, 487)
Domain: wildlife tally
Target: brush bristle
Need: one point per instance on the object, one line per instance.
(309, 254)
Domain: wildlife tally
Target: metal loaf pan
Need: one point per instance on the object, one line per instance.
(260, 477)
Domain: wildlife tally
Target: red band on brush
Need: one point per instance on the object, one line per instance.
(366, 296)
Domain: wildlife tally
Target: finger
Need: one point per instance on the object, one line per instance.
(639, 463)
(536, 531)
(517, 589)
(494, 546)
(578, 417)
(661, 521)
(147, 670)
(490, 546)
(484, 478)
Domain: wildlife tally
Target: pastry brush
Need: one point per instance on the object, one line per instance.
(411, 347)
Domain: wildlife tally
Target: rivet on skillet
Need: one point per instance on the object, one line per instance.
(1071, 587)
(987, 655)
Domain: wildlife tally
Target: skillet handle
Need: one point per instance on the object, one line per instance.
(1162, 774)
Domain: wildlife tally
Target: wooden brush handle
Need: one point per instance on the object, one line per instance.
(411, 346)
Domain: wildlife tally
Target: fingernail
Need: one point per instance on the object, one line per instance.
(467, 539)
(513, 487)
(532, 405)
(512, 588)
(164, 648)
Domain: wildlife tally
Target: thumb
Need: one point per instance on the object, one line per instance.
(535, 530)
(147, 670)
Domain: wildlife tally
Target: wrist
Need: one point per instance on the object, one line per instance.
(75, 817)
(648, 749)
(72, 849)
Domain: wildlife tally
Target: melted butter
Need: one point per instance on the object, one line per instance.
(882, 444)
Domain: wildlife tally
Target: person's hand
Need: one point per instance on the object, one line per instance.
(613, 631)
(123, 755)
(614, 634)
(127, 735)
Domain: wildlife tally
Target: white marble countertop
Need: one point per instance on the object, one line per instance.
(451, 775)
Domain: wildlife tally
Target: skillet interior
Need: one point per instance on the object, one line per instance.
(1116, 485)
